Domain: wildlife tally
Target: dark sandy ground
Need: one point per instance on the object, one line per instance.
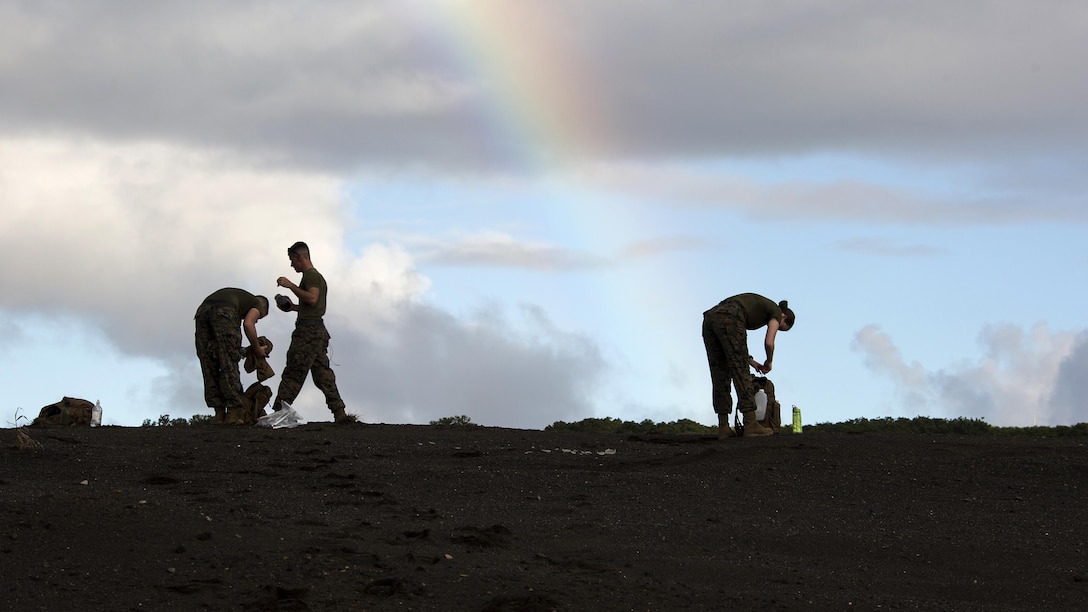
(391, 517)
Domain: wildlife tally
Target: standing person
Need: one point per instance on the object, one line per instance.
(725, 336)
(219, 347)
(309, 348)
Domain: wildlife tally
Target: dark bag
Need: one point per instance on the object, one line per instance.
(68, 412)
(254, 400)
(773, 417)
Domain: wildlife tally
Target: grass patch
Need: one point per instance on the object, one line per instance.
(23, 441)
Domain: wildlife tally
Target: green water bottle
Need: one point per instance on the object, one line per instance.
(796, 420)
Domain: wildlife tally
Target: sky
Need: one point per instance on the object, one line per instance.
(522, 209)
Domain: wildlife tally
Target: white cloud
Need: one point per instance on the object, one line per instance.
(429, 364)
(1067, 399)
(491, 248)
(886, 248)
(795, 199)
(1023, 377)
(127, 240)
(499, 249)
(132, 235)
(881, 355)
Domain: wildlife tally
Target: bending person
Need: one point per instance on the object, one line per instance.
(219, 347)
(725, 328)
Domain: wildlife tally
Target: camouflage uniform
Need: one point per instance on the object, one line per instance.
(725, 334)
(726, 340)
(219, 347)
(309, 352)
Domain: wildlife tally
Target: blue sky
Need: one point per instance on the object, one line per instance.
(523, 211)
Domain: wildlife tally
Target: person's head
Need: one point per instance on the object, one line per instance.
(787, 316)
(299, 254)
(262, 306)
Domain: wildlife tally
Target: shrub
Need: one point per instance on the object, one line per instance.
(164, 420)
(462, 421)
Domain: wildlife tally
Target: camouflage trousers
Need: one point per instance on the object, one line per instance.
(219, 349)
(726, 340)
(308, 354)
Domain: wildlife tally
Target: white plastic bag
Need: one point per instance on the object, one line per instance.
(282, 418)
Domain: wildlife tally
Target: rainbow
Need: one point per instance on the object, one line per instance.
(542, 111)
(539, 101)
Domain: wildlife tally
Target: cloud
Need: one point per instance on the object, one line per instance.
(1067, 400)
(1023, 377)
(849, 75)
(502, 372)
(495, 249)
(131, 235)
(470, 84)
(884, 248)
(791, 198)
(664, 244)
(125, 240)
(882, 356)
(11, 336)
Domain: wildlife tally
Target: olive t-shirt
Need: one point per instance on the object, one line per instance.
(306, 312)
(242, 300)
(758, 310)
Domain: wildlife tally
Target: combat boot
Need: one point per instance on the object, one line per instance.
(234, 417)
(340, 417)
(724, 430)
(752, 426)
(220, 416)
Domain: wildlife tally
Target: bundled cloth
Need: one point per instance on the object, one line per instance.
(260, 364)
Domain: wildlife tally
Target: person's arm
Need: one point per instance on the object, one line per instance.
(308, 296)
(768, 344)
(249, 326)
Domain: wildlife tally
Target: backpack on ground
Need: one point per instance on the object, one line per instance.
(68, 412)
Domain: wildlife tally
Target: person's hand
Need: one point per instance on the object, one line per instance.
(766, 368)
(755, 365)
(258, 351)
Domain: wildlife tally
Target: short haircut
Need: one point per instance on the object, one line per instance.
(300, 248)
